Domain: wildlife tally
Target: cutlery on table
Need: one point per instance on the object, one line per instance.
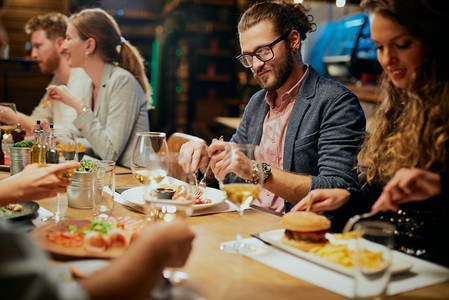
(351, 222)
(202, 183)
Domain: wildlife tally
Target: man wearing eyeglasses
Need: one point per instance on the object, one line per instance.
(309, 127)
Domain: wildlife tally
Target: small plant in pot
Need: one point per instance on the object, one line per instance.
(87, 166)
(80, 193)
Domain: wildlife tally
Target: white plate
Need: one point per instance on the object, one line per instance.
(135, 196)
(161, 290)
(274, 237)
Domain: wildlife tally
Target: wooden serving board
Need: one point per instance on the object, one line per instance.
(58, 251)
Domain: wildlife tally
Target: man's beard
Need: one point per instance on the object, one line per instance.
(51, 64)
(282, 72)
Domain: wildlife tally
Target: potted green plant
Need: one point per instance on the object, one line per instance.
(19, 156)
(81, 192)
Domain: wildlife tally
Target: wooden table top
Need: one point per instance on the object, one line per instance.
(218, 275)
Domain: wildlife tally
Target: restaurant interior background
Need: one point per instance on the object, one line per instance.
(189, 47)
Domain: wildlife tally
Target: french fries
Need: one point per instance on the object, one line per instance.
(341, 255)
(337, 254)
(70, 147)
(45, 103)
(348, 235)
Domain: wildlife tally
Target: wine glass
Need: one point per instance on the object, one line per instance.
(62, 147)
(8, 121)
(373, 259)
(242, 185)
(178, 205)
(149, 162)
(146, 145)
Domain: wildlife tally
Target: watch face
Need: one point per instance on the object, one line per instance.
(266, 168)
(266, 171)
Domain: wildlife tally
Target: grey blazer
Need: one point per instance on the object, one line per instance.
(120, 112)
(324, 132)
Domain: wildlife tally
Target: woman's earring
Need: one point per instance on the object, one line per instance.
(86, 54)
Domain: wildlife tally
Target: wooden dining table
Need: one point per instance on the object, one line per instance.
(214, 274)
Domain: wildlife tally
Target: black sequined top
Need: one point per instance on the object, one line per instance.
(422, 226)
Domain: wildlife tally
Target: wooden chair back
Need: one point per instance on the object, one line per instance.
(174, 142)
(177, 139)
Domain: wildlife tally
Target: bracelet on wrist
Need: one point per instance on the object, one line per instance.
(256, 173)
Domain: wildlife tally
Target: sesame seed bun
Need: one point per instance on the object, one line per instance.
(305, 221)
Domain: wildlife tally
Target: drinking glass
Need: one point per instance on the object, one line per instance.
(372, 259)
(8, 121)
(104, 189)
(241, 191)
(178, 205)
(149, 148)
(62, 148)
(149, 162)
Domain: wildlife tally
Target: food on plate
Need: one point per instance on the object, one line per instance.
(70, 147)
(14, 207)
(96, 241)
(341, 255)
(45, 103)
(348, 235)
(10, 208)
(304, 230)
(100, 234)
(66, 238)
(337, 254)
(6, 212)
(181, 193)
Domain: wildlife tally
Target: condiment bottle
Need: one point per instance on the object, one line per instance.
(43, 147)
(18, 134)
(35, 149)
(2, 155)
(52, 155)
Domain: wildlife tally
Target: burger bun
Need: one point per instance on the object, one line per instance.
(305, 221)
(301, 245)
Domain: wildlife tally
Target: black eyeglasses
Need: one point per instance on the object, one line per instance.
(263, 53)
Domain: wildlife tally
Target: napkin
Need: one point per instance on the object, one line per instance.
(41, 212)
(422, 274)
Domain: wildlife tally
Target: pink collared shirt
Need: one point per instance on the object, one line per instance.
(273, 138)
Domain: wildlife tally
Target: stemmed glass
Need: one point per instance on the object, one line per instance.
(149, 162)
(8, 119)
(178, 206)
(241, 191)
(62, 147)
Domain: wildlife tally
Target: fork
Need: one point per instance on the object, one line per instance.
(351, 222)
(202, 182)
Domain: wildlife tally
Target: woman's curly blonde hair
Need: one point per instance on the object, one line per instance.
(412, 130)
(412, 124)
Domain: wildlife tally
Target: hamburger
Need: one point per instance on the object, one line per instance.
(304, 230)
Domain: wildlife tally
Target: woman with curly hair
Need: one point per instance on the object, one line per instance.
(405, 158)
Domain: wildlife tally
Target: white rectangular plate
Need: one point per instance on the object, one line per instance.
(274, 238)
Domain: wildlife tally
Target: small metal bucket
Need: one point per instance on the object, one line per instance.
(18, 158)
(81, 192)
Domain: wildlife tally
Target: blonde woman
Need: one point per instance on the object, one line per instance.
(120, 88)
(405, 158)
